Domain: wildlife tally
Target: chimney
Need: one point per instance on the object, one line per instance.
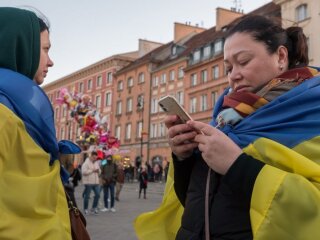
(225, 16)
(146, 46)
(182, 30)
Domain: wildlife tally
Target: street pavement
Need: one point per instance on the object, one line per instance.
(119, 225)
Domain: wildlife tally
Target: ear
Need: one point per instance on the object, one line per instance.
(283, 57)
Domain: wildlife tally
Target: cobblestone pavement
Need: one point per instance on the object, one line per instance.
(119, 225)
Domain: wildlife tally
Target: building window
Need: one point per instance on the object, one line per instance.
(139, 129)
(196, 56)
(81, 87)
(215, 72)
(172, 75)
(218, 46)
(163, 78)
(130, 82)
(119, 108)
(98, 101)
(62, 133)
(162, 130)
(140, 102)
(193, 79)
(89, 84)
(301, 12)
(108, 98)
(180, 73)
(193, 105)
(204, 103)
(128, 131)
(154, 105)
(180, 98)
(155, 81)
(206, 52)
(141, 77)
(109, 77)
(174, 50)
(99, 81)
(129, 105)
(70, 131)
(120, 85)
(57, 113)
(117, 132)
(153, 130)
(204, 76)
(213, 98)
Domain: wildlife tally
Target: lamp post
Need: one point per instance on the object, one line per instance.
(140, 105)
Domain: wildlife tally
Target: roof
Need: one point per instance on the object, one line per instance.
(162, 55)
(149, 57)
(211, 35)
(129, 56)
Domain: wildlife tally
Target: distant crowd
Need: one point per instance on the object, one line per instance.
(106, 176)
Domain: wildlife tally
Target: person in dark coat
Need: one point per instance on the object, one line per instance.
(242, 176)
(143, 182)
(109, 176)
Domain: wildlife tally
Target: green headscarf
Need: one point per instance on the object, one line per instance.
(19, 41)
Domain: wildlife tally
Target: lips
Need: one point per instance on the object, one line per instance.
(241, 88)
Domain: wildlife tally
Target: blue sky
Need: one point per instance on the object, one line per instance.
(86, 31)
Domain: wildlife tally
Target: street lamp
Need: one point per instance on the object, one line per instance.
(140, 105)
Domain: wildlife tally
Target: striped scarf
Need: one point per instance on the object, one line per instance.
(238, 105)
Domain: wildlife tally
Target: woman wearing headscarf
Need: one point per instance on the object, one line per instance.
(32, 199)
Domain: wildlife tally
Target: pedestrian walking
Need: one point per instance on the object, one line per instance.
(120, 180)
(108, 179)
(143, 182)
(90, 178)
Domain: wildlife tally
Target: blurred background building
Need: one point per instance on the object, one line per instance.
(125, 88)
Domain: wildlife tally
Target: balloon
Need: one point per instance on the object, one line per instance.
(66, 97)
(94, 126)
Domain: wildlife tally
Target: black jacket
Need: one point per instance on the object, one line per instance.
(229, 198)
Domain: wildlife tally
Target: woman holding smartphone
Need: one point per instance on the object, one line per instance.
(255, 170)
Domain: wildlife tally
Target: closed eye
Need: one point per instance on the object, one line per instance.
(228, 70)
(243, 63)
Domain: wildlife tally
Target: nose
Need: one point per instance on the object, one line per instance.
(235, 74)
(50, 62)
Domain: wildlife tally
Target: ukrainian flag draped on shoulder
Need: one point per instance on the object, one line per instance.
(284, 133)
(32, 198)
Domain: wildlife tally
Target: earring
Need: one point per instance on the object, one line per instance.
(281, 67)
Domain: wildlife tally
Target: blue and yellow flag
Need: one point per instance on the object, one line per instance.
(285, 204)
(32, 198)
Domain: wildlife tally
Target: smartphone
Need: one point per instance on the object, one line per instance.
(171, 106)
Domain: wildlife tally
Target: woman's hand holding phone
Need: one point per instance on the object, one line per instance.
(181, 137)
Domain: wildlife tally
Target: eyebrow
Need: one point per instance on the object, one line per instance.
(236, 55)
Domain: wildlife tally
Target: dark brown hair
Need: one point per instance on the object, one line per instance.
(94, 153)
(43, 25)
(273, 36)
